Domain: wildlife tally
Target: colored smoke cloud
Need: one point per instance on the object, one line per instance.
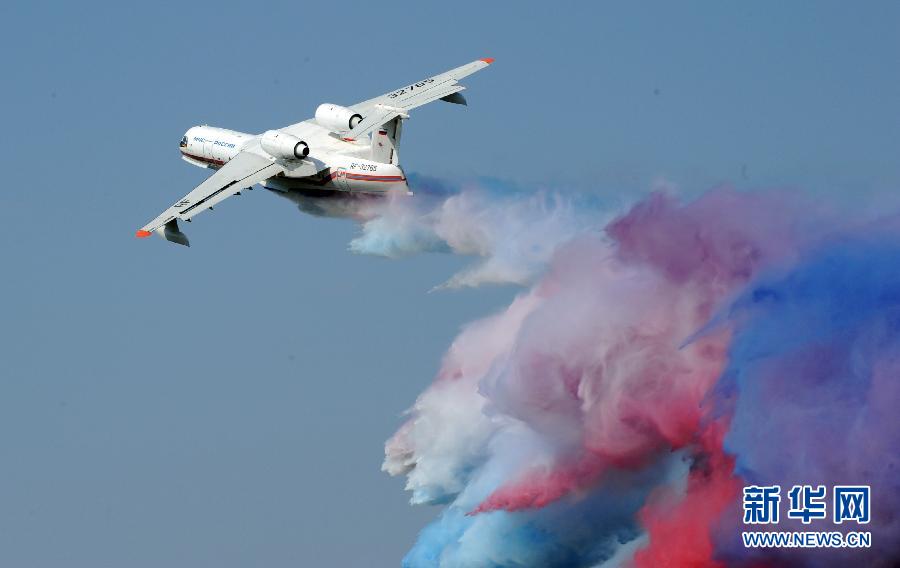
(611, 414)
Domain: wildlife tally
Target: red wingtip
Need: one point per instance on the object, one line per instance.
(488, 60)
(141, 234)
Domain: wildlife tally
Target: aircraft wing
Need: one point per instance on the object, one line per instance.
(389, 106)
(241, 172)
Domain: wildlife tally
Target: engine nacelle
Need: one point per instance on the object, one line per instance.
(283, 145)
(337, 118)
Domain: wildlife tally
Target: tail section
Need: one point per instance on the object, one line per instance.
(386, 142)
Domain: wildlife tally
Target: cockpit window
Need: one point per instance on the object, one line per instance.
(183, 142)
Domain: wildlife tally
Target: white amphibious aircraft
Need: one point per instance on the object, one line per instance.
(343, 151)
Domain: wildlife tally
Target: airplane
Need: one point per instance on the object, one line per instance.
(343, 152)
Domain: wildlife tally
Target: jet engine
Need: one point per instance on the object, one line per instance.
(337, 118)
(283, 145)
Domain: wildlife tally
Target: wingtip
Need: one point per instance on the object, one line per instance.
(487, 60)
(142, 234)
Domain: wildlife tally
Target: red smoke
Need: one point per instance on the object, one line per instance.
(539, 488)
(680, 526)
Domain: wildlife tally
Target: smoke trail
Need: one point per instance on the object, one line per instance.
(613, 411)
(515, 232)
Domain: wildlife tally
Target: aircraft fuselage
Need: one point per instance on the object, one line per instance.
(341, 165)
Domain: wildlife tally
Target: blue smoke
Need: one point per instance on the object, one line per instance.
(814, 383)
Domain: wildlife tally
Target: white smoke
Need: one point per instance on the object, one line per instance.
(515, 234)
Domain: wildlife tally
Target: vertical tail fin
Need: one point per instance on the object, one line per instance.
(386, 142)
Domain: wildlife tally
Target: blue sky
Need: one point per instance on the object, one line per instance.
(226, 405)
